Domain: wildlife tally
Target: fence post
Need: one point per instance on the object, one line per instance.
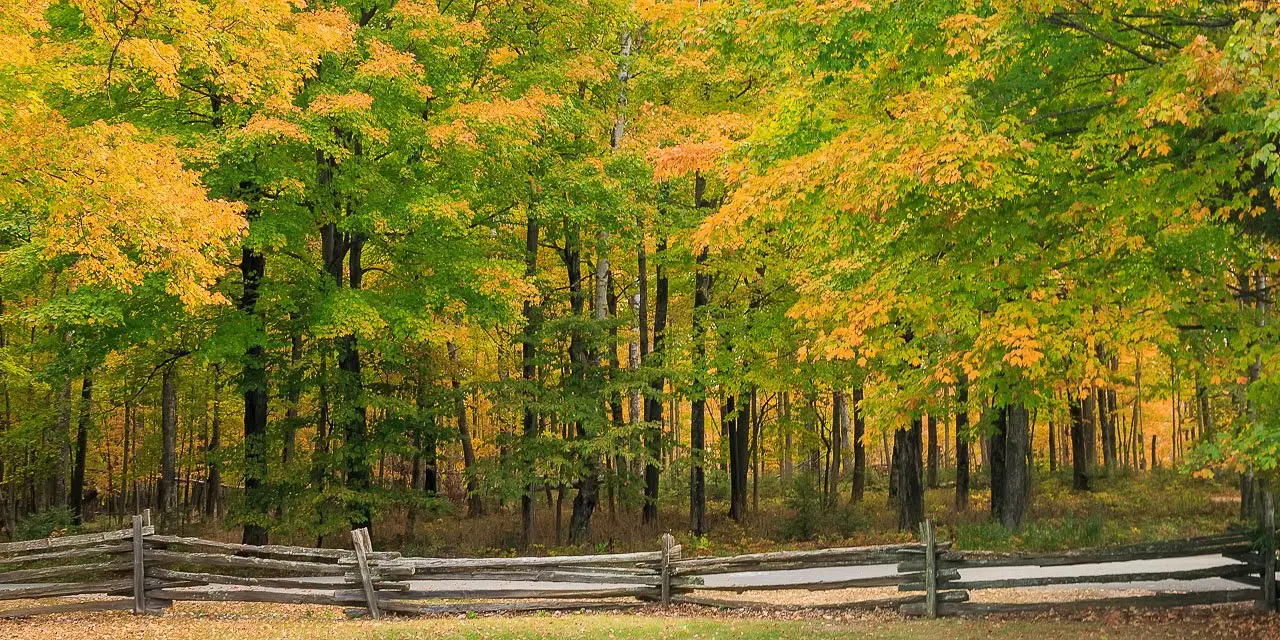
(139, 573)
(930, 568)
(363, 545)
(668, 543)
(1268, 572)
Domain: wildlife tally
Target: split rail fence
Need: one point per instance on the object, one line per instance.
(139, 570)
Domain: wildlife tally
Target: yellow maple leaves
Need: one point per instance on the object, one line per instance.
(117, 209)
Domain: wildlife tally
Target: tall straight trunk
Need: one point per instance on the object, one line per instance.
(908, 450)
(291, 419)
(354, 416)
(615, 398)
(962, 444)
(653, 404)
(933, 452)
(756, 428)
(529, 372)
(253, 380)
(1091, 428)
(698, 404)
(127, 445)
(837, 446)
(1053, 445)
(787, 444)
(1079, 454)
(739, 457)
(57, 485)
(996, 447)
(167, 497)
(213, 477)
(427, 444)
(82, 448)
(475, 505)
(859, 448)
(576, 385)
(1017, 474)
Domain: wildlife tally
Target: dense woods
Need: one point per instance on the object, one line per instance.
(292, 267)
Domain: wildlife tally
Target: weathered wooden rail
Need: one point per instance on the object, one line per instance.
(136, 569)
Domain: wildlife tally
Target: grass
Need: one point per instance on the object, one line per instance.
(266, 626)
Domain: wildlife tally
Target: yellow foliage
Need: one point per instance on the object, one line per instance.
(118, 208)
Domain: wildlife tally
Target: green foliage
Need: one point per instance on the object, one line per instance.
(45, 523)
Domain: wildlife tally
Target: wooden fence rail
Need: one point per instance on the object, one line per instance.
(139, 570)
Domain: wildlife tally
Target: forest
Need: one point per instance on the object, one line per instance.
(280, 269)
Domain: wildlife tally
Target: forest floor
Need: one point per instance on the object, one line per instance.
(269, 622)
(1119, 510)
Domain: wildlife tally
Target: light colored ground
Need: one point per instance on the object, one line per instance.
(270, 622)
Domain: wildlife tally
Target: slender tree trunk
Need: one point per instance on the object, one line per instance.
(82, 448)
(475, 505)
(997, 448)
(1079, 455)
(653, 404)
(576, 385)
(837, 447)
(529, 372)
(291, 419)
(698, 406)
(354, 417)
(253, 378)
(167, 498)
(962, 444)
(859, 448)
(1016, 470)
(933, 452)
(908, 454)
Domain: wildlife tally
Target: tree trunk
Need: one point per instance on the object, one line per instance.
(254, 388)
(933, 452)
(354, 416)
(962, 444)
(997, 448)
(167, 497)
(908, 450)
(82, 448)
(1016, 470)
(653, 404)
(1079, 455)
(576, 386)
(837, 447)
(859, 448)
(529, 372)
(698, 405)
(475, 505)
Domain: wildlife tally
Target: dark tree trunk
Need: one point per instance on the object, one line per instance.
(698, 405)
(837, 447)
(529, 372)
(908, 452)
(166, 499)
(428, 442)
(1016, 471)
(475, 505)
(859, 449)
(933, 453)
(653, 403)
(588, 485)
(213, 479)
(291, 416)
(82, 448)
(253, 378)
(1079, 457)
(354, 416)
(962, 444)
(996, 449)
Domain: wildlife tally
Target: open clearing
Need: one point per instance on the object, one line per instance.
(266, 622)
